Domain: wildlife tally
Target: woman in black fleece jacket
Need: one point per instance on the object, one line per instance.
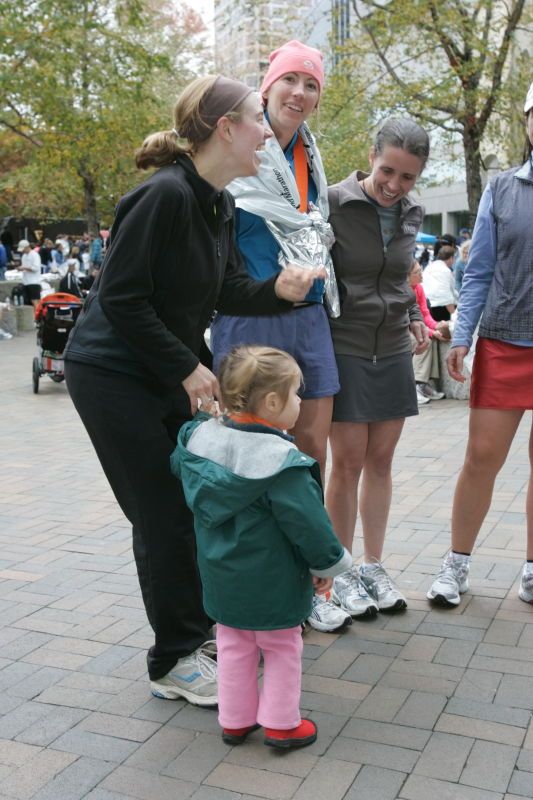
(133, 363)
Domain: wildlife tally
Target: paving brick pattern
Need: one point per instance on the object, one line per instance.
(429, 703)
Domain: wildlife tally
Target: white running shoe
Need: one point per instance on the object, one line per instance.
(525, 591)
(350, 593)
(382, 588)
(421, 399)
(326, 617)
(452, 580)
(194, 677)
(428, 390)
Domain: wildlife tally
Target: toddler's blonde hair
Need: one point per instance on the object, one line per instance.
(249, 373)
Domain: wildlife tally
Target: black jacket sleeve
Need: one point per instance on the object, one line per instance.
(242, 295)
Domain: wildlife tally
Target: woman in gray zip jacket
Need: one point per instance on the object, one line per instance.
(375, 221)
(498, 288)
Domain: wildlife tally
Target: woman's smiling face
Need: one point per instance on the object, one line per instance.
(290, 101)
(394, 173)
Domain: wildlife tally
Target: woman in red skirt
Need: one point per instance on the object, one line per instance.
(498, 289)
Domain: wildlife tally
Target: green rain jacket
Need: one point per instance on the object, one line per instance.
(261, 526)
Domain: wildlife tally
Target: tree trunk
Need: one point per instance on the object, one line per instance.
(89, 200)
(471, 146)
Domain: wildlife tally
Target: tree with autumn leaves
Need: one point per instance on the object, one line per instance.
(81, 84)
(458, 66)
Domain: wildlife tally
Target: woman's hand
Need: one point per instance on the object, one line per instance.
(322, 585)
(454, 362)
(420, 332)
(293, 283)
(202, 388)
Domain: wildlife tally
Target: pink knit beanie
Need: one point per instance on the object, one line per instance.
(294, 57)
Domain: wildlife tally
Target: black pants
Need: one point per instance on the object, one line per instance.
(133, 424)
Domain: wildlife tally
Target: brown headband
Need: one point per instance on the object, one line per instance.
(223, 96)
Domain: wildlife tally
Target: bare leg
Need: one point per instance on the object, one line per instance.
(491, 432)
(312, 429)
(529, 502)
(348, 450)
(376, 489)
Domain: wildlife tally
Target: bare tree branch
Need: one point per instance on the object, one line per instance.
(499, 64)
(390, 69)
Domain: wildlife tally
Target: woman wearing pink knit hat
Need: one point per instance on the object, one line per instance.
(285, 202)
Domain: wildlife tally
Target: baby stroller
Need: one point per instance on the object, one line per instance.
(55, 316)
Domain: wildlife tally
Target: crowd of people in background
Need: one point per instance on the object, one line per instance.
(76, 260)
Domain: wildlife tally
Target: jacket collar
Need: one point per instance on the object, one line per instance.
(255, 427)
(525, 172)
(205, 193)
(349, 190)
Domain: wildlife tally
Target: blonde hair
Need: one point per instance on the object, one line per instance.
(464, 248)
(248, 374)
(163, 147)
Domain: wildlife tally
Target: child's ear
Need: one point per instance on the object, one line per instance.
(272, 402)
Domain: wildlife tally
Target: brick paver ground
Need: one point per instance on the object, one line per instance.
(425, 704)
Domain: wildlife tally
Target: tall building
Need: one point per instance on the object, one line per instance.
(246, 31)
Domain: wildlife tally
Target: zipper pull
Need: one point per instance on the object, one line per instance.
(385, 249)
(374, 360)
(218, 248)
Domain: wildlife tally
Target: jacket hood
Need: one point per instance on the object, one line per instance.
(225, 469)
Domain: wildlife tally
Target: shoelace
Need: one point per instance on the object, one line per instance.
(381, 580)
(450, 573)
(354, 582)
(206, 665)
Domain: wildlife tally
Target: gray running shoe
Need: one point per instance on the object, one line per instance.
(451, 582)
(194, 677)
(327, 617)
(525, 592)
(381, 587)
(350, 593)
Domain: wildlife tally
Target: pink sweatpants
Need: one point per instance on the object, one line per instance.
(241, 702)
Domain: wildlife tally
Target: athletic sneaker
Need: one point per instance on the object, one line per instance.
(421, 399)
(452, 580)
(351, 595)
(5, 334)
(525, 592)
(194, 677)
(381, 587)
(326, 617)
(428, 391)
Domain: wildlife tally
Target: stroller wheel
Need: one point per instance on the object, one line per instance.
(57, 378)
(36, 375)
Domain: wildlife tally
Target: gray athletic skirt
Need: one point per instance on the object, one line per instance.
(375, 392)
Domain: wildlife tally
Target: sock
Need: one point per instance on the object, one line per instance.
(459, 553)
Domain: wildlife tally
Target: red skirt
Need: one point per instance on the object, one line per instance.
(502, 376)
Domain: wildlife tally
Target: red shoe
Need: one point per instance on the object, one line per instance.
(301, 736)
(237, 735)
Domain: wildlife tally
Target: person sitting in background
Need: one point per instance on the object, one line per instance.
(439, 284)
(460, 264)
(426, 364)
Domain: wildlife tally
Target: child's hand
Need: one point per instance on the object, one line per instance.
(322, 585)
